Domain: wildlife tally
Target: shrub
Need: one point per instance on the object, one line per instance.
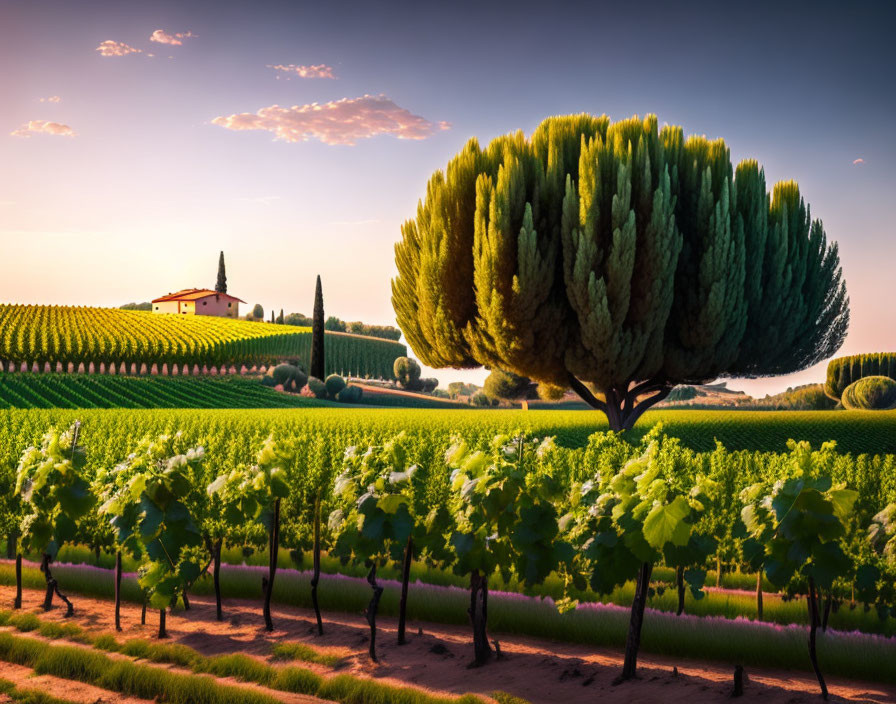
(844, 371)
(508, 386)
(268, 380)
(549, 392)
(334, 384)
(290, 376)
(350, 394)
(316, 387)
(482, 399)
(407, 372)
(428, 385)
(870, 393)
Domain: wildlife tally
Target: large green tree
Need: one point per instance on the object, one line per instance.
(619, 260)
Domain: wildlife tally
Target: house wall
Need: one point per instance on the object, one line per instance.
(217, 305)
(210, 305)
(165, 307)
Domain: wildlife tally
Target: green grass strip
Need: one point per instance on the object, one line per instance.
(300, 651)
(354, 690)
(29, 696)
(124, 676)
(507, 698)
(719, 639)
(68, 661)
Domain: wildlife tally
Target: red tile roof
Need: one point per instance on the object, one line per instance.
(195, 294)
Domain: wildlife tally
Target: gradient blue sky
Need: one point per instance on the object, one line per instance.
(141, 199)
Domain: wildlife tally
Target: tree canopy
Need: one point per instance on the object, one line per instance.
(618, 259)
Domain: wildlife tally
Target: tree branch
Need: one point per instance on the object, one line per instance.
(585, 393)
(645, 387)
(638, 410)
(639, 389)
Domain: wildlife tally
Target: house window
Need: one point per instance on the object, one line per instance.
(157, 307)
(205, 303)
(229, 304)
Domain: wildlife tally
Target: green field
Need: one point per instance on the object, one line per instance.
(103, 391)
(62, 335)
(313, 445)
(856, 432)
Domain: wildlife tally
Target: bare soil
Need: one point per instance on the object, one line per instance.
(25, 679)
(437, 657)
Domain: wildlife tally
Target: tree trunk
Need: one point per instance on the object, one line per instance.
(738, 690)
(216, 577)
(273, 548)
(143, 612)
(813, 627)
(482, 650)
(759, 595)
(118, 591)
(11, 545)
(186, 600)
(53, 588)
(828, 602)
(163, 633)
(633, 640)
(315, 576)
(17, 604)
(372, 607)
(621, 404)
(679, 582)
(405, 578)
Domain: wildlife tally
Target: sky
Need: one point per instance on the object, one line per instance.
(138, 139)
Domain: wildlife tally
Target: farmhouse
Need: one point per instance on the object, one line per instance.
(198, 301)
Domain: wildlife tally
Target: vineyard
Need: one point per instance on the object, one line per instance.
(104, 391)
(59, 336)
(476, 503)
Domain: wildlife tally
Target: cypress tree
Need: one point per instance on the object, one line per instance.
(272, 316)
(317, 333)
(280, 318)
(221, 286)
(616, 259)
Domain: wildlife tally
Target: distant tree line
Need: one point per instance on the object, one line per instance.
(332, 324)
(137, 306)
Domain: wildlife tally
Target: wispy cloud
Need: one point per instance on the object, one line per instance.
(162, 37)
(110, 48)
(337, 122)
(43, 127)
(51, 99)
(314, 71)
(856, 162)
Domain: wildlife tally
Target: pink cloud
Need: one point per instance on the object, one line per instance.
(51, 99)
(314, 71)
(162, 37)
(337, 122)
(43, 127)
(110, 48)
(860, 160)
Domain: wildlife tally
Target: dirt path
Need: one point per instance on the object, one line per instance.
(24, 678)
(542, 672)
